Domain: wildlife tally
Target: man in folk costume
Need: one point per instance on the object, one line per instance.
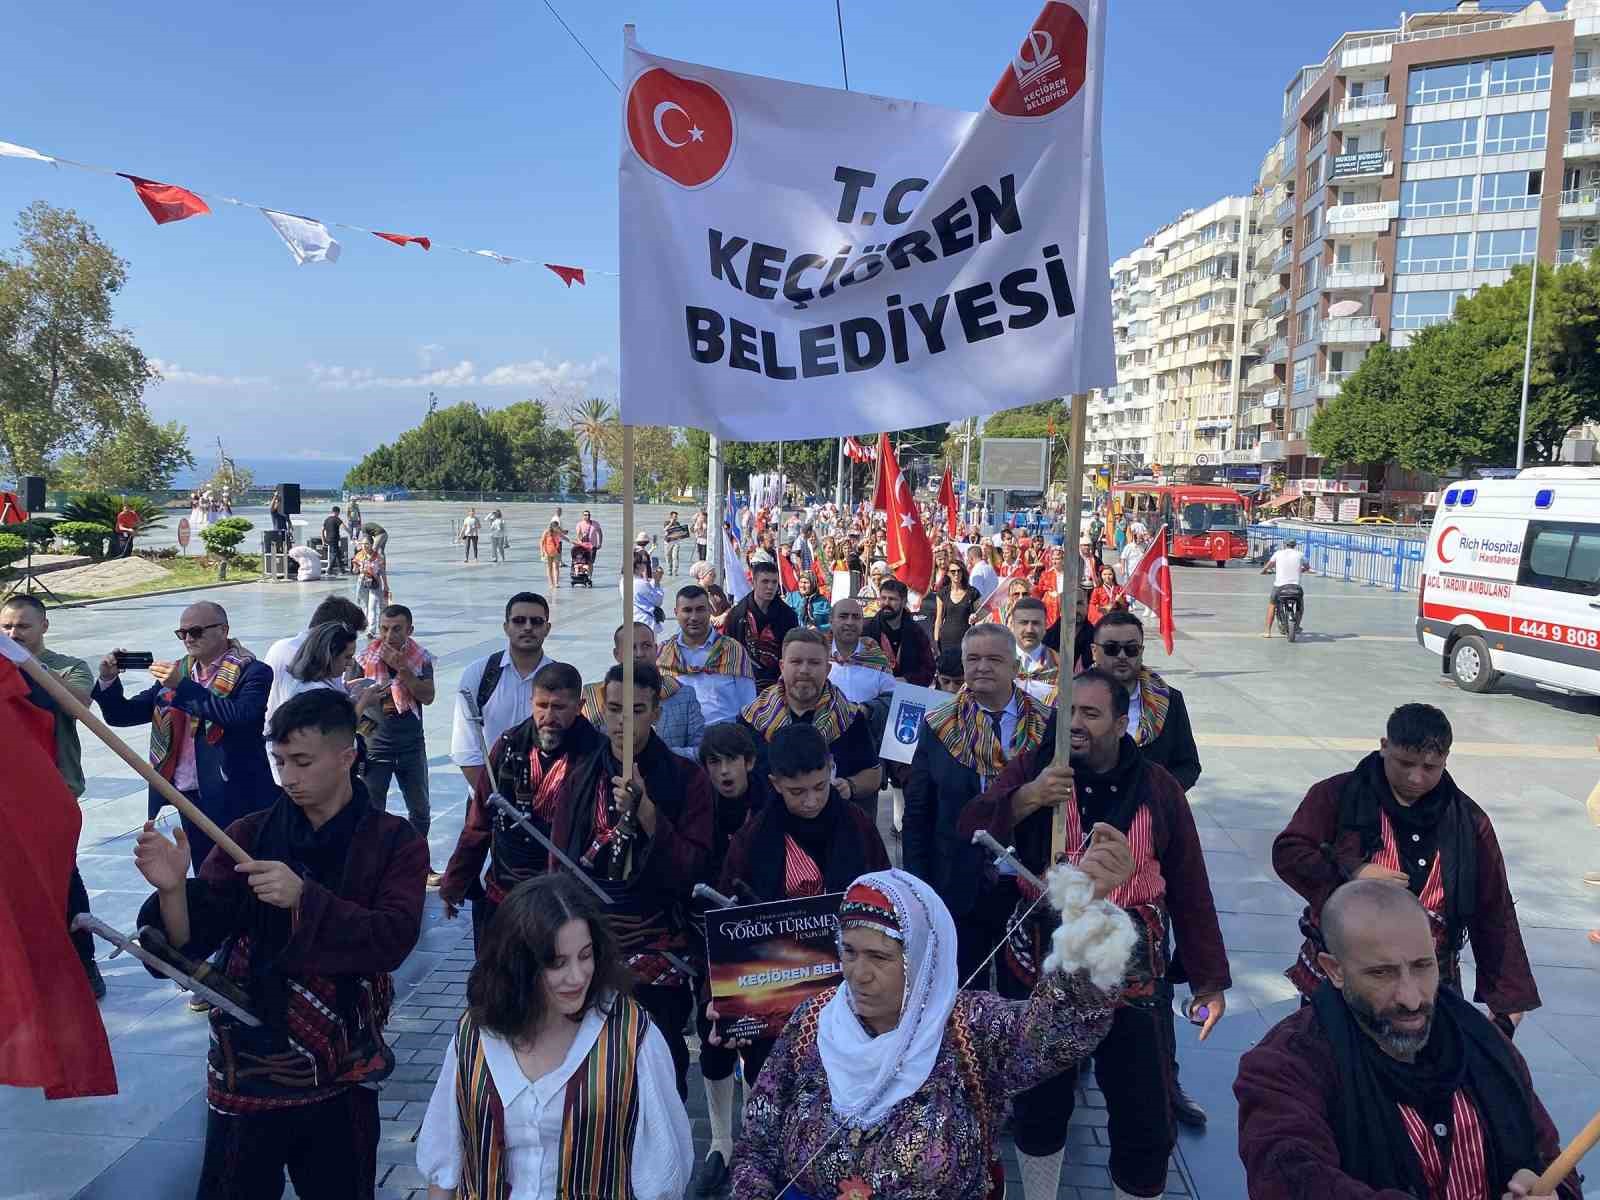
(1109, 780)
(804, 840)
(310, 929)
(711, 664)
(1158, 719)
(904, 643)
(961, 748)
(859, 667)
(644, 839)
(1388, 1084)
(760, 621)
(1038, 666)
(803, 694)
(205, 713)
(1399, 818)
(680, 724)
(528, 764)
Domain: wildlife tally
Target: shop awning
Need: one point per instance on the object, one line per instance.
(1278, 501)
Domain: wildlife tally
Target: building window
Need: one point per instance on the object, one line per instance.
(1512, 191)
(1302, 376)
(1520, 73)
(1512, 133)
(1499, 249)
(1432, 252)
(1446, 197)
(1453, 81)
(1444, 139)
(1418, 310)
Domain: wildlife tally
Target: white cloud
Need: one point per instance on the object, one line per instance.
(171, 372)
(537, 374)
(426, 354)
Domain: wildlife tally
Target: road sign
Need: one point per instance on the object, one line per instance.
(183, 533)
(1201, 460)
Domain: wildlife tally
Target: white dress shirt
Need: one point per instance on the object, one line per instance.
(509, 704)
(984, 577)
(1039, 689)
(722, 697)
(663, 1152)
(859, 683)
(278, 656)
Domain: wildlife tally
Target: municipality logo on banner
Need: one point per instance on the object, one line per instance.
(817, 261)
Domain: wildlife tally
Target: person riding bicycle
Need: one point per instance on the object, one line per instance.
(1287, 565)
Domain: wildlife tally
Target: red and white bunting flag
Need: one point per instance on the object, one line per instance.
(1150, 583)
(910, 554)
(309, 241)
(568, 275)
(503, 259)
(12, 150)
(405, 239)
(167, 201)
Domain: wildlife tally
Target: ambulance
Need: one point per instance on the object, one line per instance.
(1511, 580)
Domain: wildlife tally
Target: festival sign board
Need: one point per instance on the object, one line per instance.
(817, 262)
(907, 707)
(183, 533)
(768, 959)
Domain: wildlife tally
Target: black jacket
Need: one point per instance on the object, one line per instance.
(938, 789)
(1174, 748)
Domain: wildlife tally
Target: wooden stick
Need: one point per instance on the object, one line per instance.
(59, 693)
(627, 601)
(1568, 1158)
(1071, 567)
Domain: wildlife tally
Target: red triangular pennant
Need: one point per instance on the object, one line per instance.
(568, 275)
(404, 239)
(167, 201)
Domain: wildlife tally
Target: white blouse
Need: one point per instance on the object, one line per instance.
(663, 1152)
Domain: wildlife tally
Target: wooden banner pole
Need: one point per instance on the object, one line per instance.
(1568, 1158)
(1071, 570)
(627, 600)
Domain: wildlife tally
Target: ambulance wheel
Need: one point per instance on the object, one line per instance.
(1469, 664)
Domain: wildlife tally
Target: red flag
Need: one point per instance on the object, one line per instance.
(787, 575)
(51, 1035)
(568, 275)
(404, 239)
(823, 576)
(947, 501)
(167, 201)
(910, 554)
(1150, 583)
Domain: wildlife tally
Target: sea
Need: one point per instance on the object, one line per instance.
(317, 473)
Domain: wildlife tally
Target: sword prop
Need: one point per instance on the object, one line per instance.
(1006, 854)
(508, 810)
(84, 922)
(704, 891)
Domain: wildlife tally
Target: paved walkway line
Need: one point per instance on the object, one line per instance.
(1264, 741)
(1342, 637)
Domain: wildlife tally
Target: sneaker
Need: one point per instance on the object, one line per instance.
(435, 878)
(199, 1005)
(1592, 878)
(97, 982)
(711, 1176)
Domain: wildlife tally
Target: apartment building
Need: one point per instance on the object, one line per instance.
(1178, 313)
(1416, 165)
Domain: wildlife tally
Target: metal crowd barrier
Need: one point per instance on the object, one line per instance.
(1370, 559)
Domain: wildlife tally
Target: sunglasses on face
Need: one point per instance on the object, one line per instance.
(195, 632)
(1118, 649)
(530, 622)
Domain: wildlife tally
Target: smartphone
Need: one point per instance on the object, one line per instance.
(134, 660)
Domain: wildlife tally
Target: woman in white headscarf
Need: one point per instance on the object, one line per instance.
(893, 1085)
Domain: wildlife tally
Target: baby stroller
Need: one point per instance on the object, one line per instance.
(582, 565)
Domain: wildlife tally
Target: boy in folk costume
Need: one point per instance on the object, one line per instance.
(716, 667)
(760, 621)
(1400, 818)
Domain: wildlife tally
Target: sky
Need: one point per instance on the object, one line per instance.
(484, 125)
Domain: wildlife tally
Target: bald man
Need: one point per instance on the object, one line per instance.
(857, 667)
(1386, 1085)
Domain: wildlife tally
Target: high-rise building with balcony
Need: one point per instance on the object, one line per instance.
(1178, 314)
(1417, 164)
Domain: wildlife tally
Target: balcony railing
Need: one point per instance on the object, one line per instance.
(1284, 260)
(1284, 215)
(1336, 330)
(1370, 100)
(1277, 304)
(1579, 197)
(1277, 351)
(1583, 142)
(1572, 254)
(1355, 274)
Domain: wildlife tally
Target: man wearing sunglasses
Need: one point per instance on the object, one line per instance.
(206, 711)
(501, 685)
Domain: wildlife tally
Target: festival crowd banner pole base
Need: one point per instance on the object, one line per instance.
(1071, 568)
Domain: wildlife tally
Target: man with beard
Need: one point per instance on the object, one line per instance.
(681, 723)
(804, 695)
(714, 666)
(527, 765)
(904, 643)
(760, 621)
(961, 748)
(1037, 664)
(1400, 819)
(859, 668)
(644, 839)
(1387, 1084)
(1109, 784)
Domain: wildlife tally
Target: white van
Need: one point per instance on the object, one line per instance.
(1511, 580)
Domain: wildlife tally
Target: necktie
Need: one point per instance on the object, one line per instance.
(995, 719)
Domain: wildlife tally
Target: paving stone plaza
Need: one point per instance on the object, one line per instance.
(1270, 719)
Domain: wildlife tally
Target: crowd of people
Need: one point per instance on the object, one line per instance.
(966, 992)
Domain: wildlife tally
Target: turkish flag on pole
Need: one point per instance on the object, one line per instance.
(822, 577)
(167, 201)
(51, 1035)
(947, 501)
(910, 553)
(1150, 583)
(787, 575)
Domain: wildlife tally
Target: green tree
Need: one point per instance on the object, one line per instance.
(140, 456)
(70, 378)
(543, 457)
(222, 540)
(454, 449)
(654, 453)
(1362, 424)
(589, 421)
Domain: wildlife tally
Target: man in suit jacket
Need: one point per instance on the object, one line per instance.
(206, 711)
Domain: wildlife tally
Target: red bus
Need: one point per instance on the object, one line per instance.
(1203, 522)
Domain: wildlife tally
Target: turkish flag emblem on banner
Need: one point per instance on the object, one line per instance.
(910, 554)
(1150, 583)
(822, 261)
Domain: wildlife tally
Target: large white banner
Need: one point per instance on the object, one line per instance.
(802, 262)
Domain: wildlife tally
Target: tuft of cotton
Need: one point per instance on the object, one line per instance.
(1094, 935)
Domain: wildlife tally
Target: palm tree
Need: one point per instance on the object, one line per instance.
(589, 421)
